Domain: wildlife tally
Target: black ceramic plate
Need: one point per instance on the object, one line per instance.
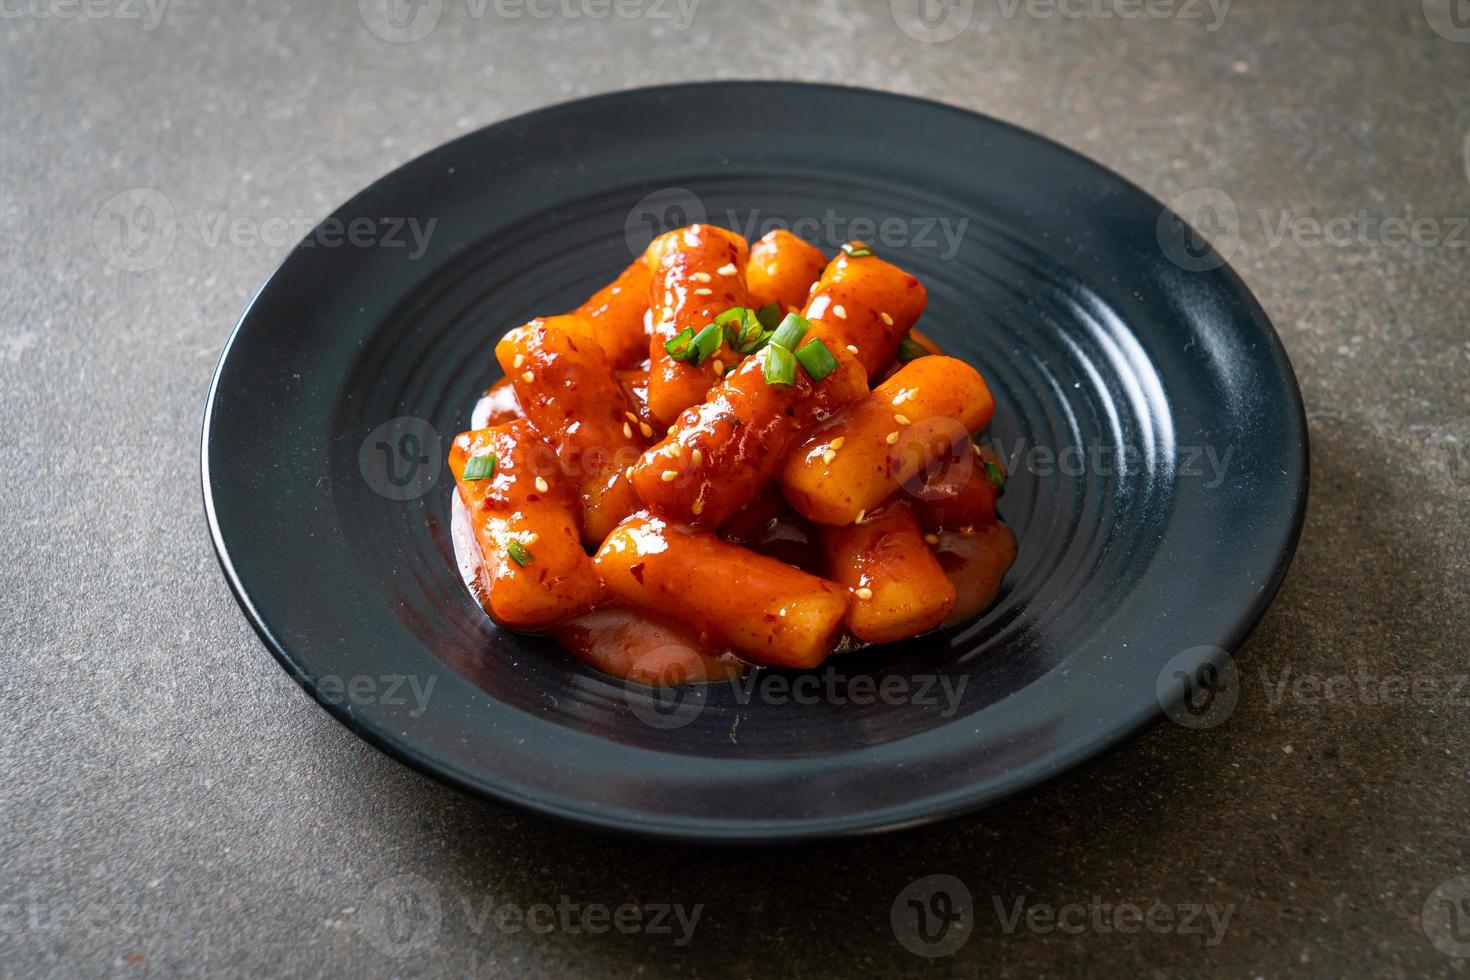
(1156, 435)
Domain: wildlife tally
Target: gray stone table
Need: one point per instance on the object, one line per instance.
(172, 803)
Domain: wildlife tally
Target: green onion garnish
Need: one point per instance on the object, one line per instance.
(780, 366)
(769, 315)
(857, 251)
(910, 349)
(479, 467)
(817, 359)
(677, 346)
(742, 330)
(996, 477)
(705, 343)
(519, 553)
(790, 332)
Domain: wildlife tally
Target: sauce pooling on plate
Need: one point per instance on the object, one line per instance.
(788, 473)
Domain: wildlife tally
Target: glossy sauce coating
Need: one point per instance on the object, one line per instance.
(768, 526)
(782, 269)
(632, 645)
(953, 502)
(697, 273)
(913, 418)
(899, 589)
(764, 610)
(567, 389)
(976, 562)
(559, 580)
(870, 303)
(721, 453)
(617, 313)
(497, 406)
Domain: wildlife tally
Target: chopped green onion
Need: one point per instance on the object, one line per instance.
(996, 476)
(790, 332)
(705, 343)
(519, 553)
(910, 349)
(769, 315)
(857, 251)
(677, 346)
(817, 359)
(480, 467)
(780, 366)
(748, 337)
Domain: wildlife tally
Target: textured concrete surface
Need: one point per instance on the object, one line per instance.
(173, 804)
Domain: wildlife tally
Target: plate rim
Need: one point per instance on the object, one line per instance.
(915, 812)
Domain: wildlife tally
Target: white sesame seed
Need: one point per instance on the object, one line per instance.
(630, 416)
(627, 431)
(902, 419)
(892, 438)
(697, 456)
(727, 270)
(865, 593)
(520, 360)
(839, 442)
(628, 472)
(701, 277)
(839, 311)
(541, 484)
(532, 538)
(859, 518)
(828, 456)
(976, 446)
(931, 538)
(669, 476)
(901, 397)
(528, 377)
(851, 349)
(704, 291)
(887, 319)
(646, 429)
(719, 366)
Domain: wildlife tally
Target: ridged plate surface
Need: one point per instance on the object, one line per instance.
(1154, 431)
